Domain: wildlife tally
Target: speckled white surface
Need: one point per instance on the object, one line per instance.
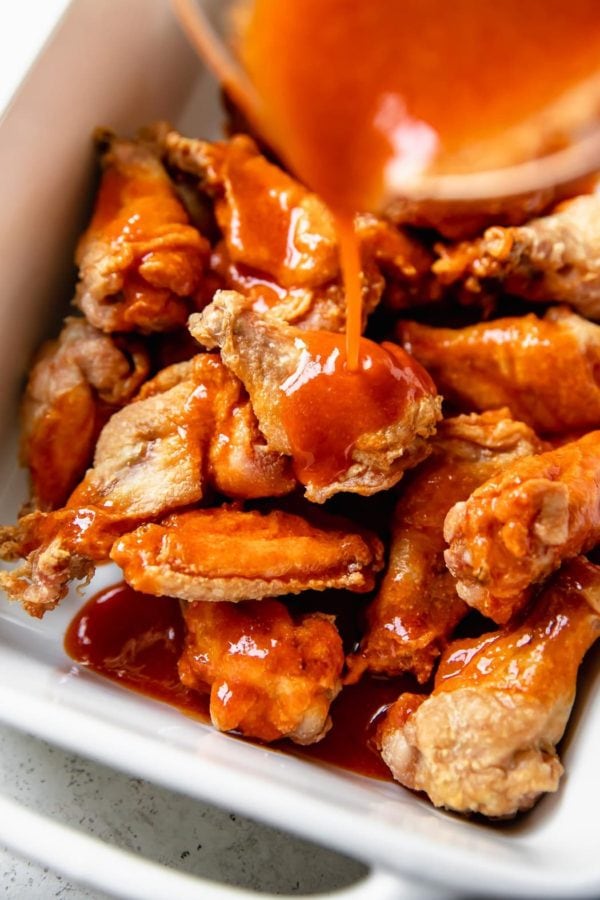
(171, 829)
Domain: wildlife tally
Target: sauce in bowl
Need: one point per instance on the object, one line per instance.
(351, 90)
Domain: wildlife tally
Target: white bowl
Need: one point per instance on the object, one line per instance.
(124, 65)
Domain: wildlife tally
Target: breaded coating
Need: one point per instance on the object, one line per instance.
(139, 260)
(485, 740)
(555, 258)
(416, 608)
(279, 244)
(190, 431)
(229, 554)
(345, 431)
(546, 370)
(76, 383)
(56, 548)
(270, 677)
(523, 524)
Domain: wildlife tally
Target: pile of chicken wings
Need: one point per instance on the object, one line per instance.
(194, 422)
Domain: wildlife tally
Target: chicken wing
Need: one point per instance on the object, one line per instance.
(522, 524)
(140, 259)
(345, 431)
(270, 677)
(417, 607)
(190, 430)
(229, 554)
(77, 381)
(485, 740)
(56, 548)
(552, 258)
(279, 243)
(546, 370)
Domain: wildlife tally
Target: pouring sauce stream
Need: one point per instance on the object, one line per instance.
(350, 90)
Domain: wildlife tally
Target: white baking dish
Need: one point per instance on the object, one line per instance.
(124, 64)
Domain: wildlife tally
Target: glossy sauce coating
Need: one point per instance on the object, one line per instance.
(132, 205)
(326, 407)
(137, 640)
(542, 653)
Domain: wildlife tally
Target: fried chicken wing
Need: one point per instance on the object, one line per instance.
(190, 430)
(279, 243)
(522, 524)
(417, 607)
(552, 258)
(485, 740)
(229, 554)
(56, 548)
(546, 370)
(345, 431)
(77, 381)
(270, 676)
(140, 259)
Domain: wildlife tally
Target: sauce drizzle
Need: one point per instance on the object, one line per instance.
(358, 94)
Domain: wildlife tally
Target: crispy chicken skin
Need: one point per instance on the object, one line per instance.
(191, 430)
(139, 260)
(56, 548)
(484, 740)
(279, 245)
(522, 524)
(229, 554)
(345, 431)
(546, 370)
(76, 382)
(417, 607)
(552, 258)
(270, 677)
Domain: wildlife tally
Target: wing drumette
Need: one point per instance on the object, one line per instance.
(191, 429)
(228, 554)
(345, 431)
(139, 259)
(75, 384)
(417, 607)
(270, 676)
(546, 370)
(484, 741)
(552, 258)
(522, 524)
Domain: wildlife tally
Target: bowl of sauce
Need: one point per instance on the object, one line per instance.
(367, 102)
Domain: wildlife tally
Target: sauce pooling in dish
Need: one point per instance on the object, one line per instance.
(349, 90)
(136, 640)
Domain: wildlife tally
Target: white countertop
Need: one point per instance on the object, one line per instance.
(174, 830)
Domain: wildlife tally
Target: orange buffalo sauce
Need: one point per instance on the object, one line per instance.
(349, 89)
(136, 640)
(326, 407)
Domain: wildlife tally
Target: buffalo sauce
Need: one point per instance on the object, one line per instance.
(133, 204)
(136, 640)
(326, 407)
(355, 93)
